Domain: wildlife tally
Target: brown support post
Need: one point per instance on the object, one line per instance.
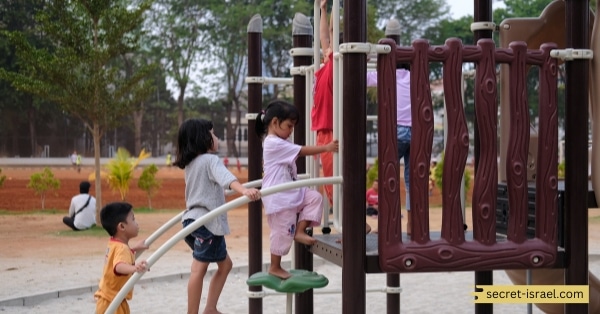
(354, 155)
(483, 13)
(393, 31)
(576, 146)
(302, 36)
(255, 305)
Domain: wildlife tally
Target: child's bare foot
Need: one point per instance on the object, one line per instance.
(304, 238)
(279, 272)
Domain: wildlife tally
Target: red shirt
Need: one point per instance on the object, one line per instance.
(322, 111)
(372, 197)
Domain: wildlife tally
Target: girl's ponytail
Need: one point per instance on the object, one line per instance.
(260, 127)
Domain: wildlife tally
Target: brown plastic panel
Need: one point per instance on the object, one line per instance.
(452, 251)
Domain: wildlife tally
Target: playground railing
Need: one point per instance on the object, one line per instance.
(177, 218)
(242, 200)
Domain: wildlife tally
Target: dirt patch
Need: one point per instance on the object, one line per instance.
(16, 197)
(41, 232)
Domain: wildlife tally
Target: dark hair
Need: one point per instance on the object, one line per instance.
(84, 187)
(193, 139)
(113, 214)
(280, 109)
(403, 65)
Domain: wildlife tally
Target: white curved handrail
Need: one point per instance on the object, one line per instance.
(177, 218)
(206, 218)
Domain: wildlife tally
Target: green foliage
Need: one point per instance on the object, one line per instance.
(278, 39)
(86, 69)
(438, 172)
(520, 8)
(149, 183)
(82, 71)
(228, 24)
(373, 172)
(561, 170)
(93, 231)
(2, 178)
(120, 170)
(178, 25)
(42, 182)
(415, 17)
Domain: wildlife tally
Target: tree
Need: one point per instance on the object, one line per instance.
(520, 8)
(227, 42)
(83, 72)
(277, 36)
(176, 30)
(42, 182)
(21, 111)
(148, 182)
(414, 16)
(204, 108)
(531, 9)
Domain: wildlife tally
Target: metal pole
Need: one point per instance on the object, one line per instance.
(302, 37)
(576, 147)
(354, 155)
(483, 13)
(255, 27)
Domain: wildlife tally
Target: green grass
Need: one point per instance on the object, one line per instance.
(54, 211)
(94, 231)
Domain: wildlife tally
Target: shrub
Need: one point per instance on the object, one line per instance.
(561, 170)
(149, 183)
(438, 172)
(42, 182)
(373, 172)
(120, 170)
(2, 178)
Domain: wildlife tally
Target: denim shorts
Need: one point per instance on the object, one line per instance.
(207, 247)
(404, 134)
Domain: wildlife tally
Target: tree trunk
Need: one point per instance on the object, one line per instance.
(231, 139)
(31, 113)
(238, 124)
(180, 103)
(14, 132)
(98, 182)
(231, 131)
(138, 115)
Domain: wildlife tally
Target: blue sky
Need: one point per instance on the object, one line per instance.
(460, 8)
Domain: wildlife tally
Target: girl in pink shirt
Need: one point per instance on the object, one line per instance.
(290, 212)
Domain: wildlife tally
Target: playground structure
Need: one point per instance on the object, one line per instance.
(479, 250)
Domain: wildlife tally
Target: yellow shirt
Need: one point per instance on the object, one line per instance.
(111, 282)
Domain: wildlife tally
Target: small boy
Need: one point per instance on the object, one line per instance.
(119, 264)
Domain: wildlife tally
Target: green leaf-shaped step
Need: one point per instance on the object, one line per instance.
(300, 281)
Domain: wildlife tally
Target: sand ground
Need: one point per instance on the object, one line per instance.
(38, 254)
